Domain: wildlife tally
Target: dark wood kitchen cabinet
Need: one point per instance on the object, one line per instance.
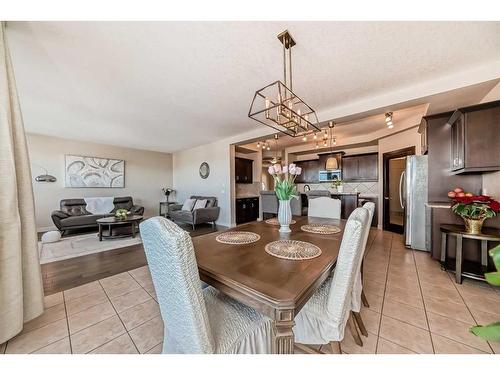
(310, 171)
(360, 168)
(243, 170)
(475, 137)
(247, 209)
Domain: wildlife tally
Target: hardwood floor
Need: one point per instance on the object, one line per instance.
(70, 273)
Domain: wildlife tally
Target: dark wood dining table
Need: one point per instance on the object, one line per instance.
(278, 288)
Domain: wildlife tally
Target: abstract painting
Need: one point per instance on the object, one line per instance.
(88, 171)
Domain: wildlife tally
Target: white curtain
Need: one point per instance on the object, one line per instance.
(21, 290)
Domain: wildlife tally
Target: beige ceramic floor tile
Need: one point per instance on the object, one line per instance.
(455, 330)
(486, 304)
(130, 299)
(53, 299)
(375, 276)
(371, 319)
(444, 294)
(83, 303)
(405, 313)
(148, 335)
(92, 315)
(96, 335)
(387, 347)
(375, 301)
(156, 350)
(59, 347)
(81, 290)
(443, 345)
(34, 340)
(50, 315)
(117, 286)
(349, 346)
(139, 314)
(451, 310)
(150, 288)
(141, 275)
(409, 297)
(121, 345)
(374, 287)
(406, 335)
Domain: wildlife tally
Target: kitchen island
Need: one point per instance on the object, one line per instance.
(349, 202)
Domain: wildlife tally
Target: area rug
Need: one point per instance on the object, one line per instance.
(76, 246)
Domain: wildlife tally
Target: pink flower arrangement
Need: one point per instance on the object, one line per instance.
(284, 186)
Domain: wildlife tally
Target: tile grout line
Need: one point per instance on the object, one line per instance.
(383, 297)
(119, 317)
(423, 301)
(468, 309)
(67, 323)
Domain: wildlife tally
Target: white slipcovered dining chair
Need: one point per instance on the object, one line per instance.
(197, 320)
(358, 295)
(324, 207)
(324, 317)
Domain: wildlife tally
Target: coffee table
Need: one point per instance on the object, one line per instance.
(113, 222)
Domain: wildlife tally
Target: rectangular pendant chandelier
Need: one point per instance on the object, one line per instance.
(278, 107)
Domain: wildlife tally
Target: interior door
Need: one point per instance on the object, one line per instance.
(394, 214)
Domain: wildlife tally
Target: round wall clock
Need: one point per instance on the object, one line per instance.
(204, 170)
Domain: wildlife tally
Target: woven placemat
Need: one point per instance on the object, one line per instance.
(274, 221)
(292, 250)
(321, 228)
(237, 238)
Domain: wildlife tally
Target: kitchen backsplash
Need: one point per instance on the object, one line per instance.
(248, 189)
(349, 187)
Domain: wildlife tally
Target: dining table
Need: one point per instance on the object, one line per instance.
(278, 288)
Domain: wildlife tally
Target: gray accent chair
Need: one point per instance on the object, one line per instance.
(197, 320)
(209, 214)
(73, 215)
(269, 204)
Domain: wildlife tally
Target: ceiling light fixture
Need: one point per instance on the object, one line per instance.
(331, 162)
(277, 106)
(315, 136)
(388, 120)
(258, 144)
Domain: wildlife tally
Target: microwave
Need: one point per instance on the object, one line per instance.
(330, 176)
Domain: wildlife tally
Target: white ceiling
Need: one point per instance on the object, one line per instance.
(168, 86)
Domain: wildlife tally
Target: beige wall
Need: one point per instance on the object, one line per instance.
(146, 172)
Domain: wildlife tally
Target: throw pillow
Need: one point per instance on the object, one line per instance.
(200, 203)
(188, 204)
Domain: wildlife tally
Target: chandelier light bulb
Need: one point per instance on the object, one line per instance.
(390, 126)
(317, 146)
(258, 144)
(304, 138)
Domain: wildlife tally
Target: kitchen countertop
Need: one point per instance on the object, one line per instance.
(247, 196)
(439, 204)
(345, 193)
(368, 195)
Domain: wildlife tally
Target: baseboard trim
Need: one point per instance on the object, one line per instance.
(46, 229)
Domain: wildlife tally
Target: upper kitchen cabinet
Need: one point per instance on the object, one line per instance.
(243, 170)
(360, 168)
(423, 131)
(310, 171)
(475, 136)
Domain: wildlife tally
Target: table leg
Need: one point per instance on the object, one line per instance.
(133, 229)
(100, 232)
(283, 342)
(443, 247)
(110, 230)
(484, 255)
(458, 261)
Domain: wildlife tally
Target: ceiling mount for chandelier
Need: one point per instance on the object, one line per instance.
(278, 107)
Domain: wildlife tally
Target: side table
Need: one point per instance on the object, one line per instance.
(164, 209)
(458, 231)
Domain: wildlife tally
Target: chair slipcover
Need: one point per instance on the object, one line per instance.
(324, 207)
(324, 316)
(197, 320)
(358, 282)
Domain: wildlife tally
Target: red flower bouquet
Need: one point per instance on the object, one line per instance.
(474, 209)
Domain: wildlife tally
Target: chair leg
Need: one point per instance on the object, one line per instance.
(193, 226)
(364, 300)
(354, 330)
(307, 349)
(361, 325)
(336, 349)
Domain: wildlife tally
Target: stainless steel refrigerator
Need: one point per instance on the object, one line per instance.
(413, 197)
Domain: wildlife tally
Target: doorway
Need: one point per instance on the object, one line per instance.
(394, 164)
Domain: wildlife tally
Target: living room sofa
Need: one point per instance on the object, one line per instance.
(73, 215)
(208, 214)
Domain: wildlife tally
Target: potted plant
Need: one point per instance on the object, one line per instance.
(491, 332)
(337, 184)
(121, 214)
(473, 209)
(167, 192)
(285, 188)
